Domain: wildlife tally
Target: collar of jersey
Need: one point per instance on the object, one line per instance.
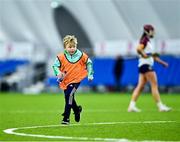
(73, 58)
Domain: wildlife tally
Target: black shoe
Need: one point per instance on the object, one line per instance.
(77, 114)
(65, 122)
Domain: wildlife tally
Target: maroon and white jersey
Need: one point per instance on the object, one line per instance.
(148, 49)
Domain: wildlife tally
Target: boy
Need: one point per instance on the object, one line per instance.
(71, 67)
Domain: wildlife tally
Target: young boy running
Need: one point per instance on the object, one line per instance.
(71, 67)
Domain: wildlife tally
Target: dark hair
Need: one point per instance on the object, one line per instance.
(148, 28)
(143, 35)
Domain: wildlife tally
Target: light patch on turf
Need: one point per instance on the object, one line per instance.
(88, 110)
(57, 111)
(12, 131)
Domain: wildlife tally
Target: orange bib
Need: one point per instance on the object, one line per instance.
(75, 72)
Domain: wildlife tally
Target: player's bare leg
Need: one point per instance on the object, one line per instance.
(152, 78)
(132, 106)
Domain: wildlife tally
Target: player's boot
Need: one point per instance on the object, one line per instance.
(77, 114)
(133, 109)
(164, 108)
(65, 121)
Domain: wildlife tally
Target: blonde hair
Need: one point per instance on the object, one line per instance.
(70, 39)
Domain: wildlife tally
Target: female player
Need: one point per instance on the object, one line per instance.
(146, 72)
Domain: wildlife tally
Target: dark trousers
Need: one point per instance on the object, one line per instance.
(70, 100)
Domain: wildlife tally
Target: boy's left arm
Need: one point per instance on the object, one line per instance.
(90, 69)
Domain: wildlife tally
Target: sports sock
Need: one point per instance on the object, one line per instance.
(159, 104)
(132, 104)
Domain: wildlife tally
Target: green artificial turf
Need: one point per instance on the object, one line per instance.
(104, 116)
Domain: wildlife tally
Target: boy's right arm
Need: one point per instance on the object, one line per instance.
(57, 72)
(56, 67)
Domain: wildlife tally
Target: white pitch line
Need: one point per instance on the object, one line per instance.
(12, 131)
